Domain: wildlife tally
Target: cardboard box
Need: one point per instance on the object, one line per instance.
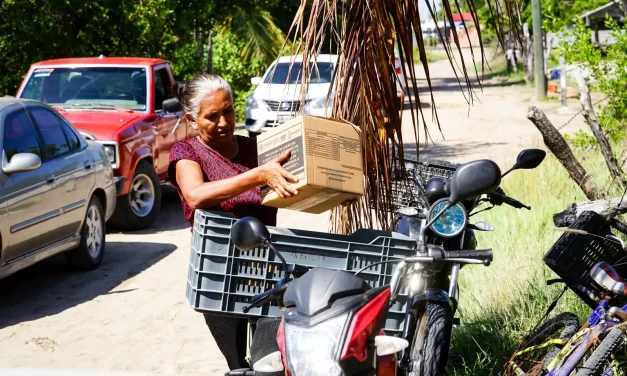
(326, 158)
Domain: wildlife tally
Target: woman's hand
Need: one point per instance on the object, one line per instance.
(276, 177)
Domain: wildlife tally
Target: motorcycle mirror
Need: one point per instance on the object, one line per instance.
(473, 179)
(407, 211)
(528, 159)
(249, 233)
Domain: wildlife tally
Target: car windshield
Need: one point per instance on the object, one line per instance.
(284, 75)
(89, 87)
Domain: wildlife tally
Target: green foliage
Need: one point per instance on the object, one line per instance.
(228, 63)
(608, 69)
(174, 30)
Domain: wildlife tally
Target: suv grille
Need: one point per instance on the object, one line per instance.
(285, 106)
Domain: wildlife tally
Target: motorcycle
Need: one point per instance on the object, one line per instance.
(332, 319)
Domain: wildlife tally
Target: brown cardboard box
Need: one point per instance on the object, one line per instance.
(326, 158)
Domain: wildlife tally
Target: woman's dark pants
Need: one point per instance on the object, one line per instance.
(230, 335)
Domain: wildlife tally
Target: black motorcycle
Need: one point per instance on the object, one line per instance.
(440, 226)
(332, 320)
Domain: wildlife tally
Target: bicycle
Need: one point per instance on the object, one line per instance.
(555, 348)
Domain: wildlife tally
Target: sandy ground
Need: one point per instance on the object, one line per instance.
(131, 315)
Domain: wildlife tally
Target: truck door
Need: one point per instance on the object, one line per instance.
(170, 126)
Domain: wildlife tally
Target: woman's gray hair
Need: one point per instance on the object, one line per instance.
(193, 92)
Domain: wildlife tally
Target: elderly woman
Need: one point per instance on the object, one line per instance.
(217, 170)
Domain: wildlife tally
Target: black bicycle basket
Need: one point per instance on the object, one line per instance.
(575, 253)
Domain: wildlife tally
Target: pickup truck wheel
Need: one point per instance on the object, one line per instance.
(88, 255)
(139, 208)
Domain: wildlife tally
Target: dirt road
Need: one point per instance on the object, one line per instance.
(131, 315)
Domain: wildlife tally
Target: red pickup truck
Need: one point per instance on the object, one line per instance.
(126, 104)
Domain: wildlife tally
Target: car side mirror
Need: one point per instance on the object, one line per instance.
(255, 80)
(249, 233)
(172, 105)
(20, 163)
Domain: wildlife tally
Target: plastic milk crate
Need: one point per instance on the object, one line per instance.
(223, 279)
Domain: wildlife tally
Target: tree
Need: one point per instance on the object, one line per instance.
(364, 83)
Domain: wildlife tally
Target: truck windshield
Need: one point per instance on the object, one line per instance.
(89, 87)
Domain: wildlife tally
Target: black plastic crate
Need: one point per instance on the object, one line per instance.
(574, 254)
(222, 279)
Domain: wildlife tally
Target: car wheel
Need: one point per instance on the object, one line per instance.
(139, 208)
(253, 134)
(88, 255)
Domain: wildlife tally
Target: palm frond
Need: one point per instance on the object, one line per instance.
(364, 34)
(264, 39)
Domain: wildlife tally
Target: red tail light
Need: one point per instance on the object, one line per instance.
(397, 64)
(362, 326)
(280, 340)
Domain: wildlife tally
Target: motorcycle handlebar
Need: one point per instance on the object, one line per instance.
(263, 298)
(499, 197)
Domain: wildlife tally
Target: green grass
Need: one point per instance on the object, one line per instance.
(499, 70)
(433, 55)
(500, 303)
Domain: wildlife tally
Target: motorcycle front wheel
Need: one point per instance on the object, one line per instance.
(429, 352)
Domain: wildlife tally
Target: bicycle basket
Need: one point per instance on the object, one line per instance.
(574, 254)
(405, 193)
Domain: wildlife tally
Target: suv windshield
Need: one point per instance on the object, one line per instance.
(284, 75)
(89, 87)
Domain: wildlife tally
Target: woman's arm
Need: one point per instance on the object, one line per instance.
(202, 195)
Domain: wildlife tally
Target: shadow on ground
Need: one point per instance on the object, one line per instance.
(448, 151)
(50, 287)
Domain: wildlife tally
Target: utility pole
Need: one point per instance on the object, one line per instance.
(538, 50)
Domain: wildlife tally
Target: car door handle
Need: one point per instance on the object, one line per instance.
(50, 179)
(88, 165)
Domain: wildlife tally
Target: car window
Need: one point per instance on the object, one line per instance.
(70, 135)
(19, 135)
(162, 85)
(54, 139)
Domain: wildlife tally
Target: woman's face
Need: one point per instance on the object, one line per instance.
(216, 119)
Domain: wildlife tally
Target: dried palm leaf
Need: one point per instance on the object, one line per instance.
(364, 33)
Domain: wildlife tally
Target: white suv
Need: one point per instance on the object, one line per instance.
(277, 96)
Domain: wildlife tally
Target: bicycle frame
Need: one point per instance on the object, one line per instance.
(577, 347)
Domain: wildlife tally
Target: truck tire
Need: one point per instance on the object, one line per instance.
(90, 251)
(139, 209)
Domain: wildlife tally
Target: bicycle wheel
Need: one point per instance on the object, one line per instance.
(601, 358)
(542, 346)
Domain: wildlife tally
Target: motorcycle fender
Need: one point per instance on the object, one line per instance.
(434, 295)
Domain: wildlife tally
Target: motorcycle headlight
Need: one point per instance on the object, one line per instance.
(312, 351)
(452, 222)
(252, 102)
